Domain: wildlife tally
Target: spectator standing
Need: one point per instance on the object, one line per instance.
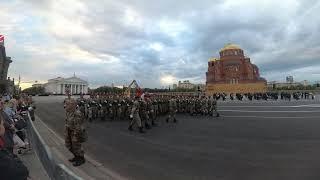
(11, 167)
(9, 129)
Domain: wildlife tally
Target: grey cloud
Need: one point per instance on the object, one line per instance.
(278, 37)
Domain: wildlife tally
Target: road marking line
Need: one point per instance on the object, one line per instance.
(265, 117)
(307, 105)
(231, 110)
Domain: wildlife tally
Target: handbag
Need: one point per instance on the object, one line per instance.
(20, 123)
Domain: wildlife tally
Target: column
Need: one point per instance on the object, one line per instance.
(77, 88)
(63, 88)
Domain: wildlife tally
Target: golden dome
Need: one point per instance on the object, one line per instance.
(230, 46)
(213, 59)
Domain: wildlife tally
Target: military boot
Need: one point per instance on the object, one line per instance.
(79, 161)
(147, 126)
(130, 128)
(175, 120)
(72, 159)
(167, 120)
(141, 130)
(153, 123)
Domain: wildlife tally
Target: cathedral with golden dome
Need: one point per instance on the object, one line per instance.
(233, 72)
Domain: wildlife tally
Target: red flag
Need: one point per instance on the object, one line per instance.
(1, 39)
(139, 92)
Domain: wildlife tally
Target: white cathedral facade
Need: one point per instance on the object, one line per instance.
(59, 85)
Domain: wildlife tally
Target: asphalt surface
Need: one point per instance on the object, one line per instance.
(252, 140)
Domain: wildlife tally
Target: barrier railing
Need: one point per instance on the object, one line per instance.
(55, 170)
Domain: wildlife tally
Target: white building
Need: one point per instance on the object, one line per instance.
(59, 85)
(273, 84)
(289, 79)
(37, 85)
(185, 84)
(305, 82)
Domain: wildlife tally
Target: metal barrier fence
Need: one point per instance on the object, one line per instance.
(55, 170)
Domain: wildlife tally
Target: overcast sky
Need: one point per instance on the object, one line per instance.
(157, 42)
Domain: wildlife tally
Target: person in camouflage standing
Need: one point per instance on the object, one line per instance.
(134, 116)
(74, 131)
(172, 110)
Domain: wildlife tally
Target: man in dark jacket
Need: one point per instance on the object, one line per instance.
(11, 167)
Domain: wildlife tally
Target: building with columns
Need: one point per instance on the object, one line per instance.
(59, 85)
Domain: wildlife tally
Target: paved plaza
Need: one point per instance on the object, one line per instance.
(251, 140)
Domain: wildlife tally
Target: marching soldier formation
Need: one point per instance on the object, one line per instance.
(144, 111)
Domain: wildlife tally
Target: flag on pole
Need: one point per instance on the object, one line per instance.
(1, 39)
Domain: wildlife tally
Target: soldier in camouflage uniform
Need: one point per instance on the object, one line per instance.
(114, 108)
(155, 106)
(151, 111)
(74, 131)
(105, 106)
(192, 106)
(129, 104)
(123, 109)
(119, 108)
(90, 112)
(204, 106)
(179, 105)
(172, 110)
(134, 116)
(184, 105)
(198, 106)
(144, 113)
(213, 106)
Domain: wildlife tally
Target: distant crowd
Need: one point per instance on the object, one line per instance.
(265, 96)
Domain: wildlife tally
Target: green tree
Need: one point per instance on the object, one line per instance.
(34, 90)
